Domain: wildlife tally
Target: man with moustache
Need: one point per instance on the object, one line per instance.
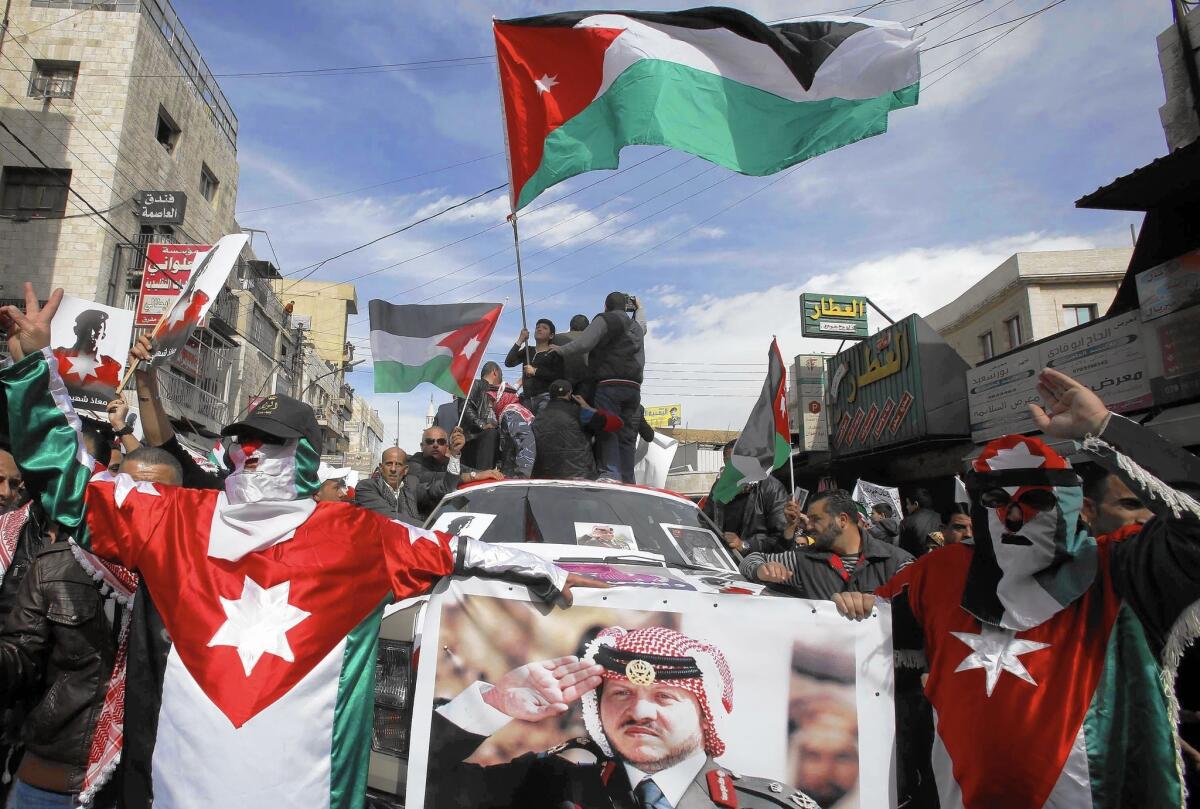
(655, 703)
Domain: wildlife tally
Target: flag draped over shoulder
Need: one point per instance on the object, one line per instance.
(577, 87)
(765, 442)
(440, 344)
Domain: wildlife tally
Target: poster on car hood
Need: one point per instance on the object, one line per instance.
(724, 698)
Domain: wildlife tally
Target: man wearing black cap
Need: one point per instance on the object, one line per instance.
(271, 599)
(564, 433)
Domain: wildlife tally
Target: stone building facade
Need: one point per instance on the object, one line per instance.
(1028, 297)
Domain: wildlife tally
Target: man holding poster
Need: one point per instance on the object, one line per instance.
(654, 705)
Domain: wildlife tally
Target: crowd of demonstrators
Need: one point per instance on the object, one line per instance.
(756, 519)
(842, 556)
(264, 512)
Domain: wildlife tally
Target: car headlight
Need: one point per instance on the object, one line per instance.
(393, 698)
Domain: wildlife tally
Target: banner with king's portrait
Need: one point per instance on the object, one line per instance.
(638, 695)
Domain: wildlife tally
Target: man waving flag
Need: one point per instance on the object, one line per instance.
(765, 443)
(577, 87)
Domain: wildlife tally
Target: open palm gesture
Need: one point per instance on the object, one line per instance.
(1072, 409)
(29, 331)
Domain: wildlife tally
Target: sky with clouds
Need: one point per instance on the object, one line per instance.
(988, 164)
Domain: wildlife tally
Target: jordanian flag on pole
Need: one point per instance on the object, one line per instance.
(766, 441)
(578, 86)
(440, 344)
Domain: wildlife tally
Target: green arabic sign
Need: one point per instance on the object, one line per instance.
(841, 317)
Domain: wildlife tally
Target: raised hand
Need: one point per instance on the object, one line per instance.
(29, 331)
(118, 413)
(546, 688)
(1072, 409)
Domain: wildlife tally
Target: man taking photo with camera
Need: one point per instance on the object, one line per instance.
(615, 344)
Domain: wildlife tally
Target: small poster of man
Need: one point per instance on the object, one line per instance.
(699, 546)
(605, 535)
(203, 284)
(464, 523)
(645, 697)
(91, 343)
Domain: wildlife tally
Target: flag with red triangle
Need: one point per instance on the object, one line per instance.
(441, 344)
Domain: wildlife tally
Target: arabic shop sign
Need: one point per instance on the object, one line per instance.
(160, 207)
(841, 317)
(899, 385)
(168, 267)
(1107, 355)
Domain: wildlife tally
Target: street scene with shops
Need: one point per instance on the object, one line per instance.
(516, 405)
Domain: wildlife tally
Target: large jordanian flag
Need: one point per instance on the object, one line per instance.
(715, 82)
(441, 344)
(765, 443)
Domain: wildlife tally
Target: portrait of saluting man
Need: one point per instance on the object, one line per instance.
(654, 704)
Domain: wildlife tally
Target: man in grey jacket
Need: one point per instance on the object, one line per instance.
(393, 493)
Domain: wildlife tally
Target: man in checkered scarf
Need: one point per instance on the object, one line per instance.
(655, 704)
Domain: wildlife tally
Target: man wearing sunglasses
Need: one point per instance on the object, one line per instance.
(1049, 647)
(439, 469)
(272, 601)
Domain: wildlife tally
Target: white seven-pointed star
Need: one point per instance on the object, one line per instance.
(470, 348)
(545, 83)
(1018, 457)
(995, 650)
(257, 623)
(83, 366)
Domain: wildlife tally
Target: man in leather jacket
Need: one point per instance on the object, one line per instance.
(754, 520)
(479, 423)
(58, 647)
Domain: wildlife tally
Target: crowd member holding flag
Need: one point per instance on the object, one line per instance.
(539, 366)
(1051, 651)
(763, 446)
(272, 601)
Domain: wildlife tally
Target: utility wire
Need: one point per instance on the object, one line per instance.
(1022, 19)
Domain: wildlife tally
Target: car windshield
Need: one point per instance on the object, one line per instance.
(630, 520)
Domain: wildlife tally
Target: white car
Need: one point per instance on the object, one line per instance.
(631, 535)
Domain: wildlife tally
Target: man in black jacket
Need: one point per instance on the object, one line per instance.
(615, 344)
(479, 422)
(754, 520)
(921, 521)
(841, 557)
(58, 646)
(539, 365)
(439, 470)
(393, 493)
(564, 433)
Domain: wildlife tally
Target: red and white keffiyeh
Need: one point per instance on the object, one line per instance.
(11, 524)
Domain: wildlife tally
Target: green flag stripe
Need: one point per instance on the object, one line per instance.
(45, 434)
(657, 102)
(353, 715)
(1129, 732)
(395, 377)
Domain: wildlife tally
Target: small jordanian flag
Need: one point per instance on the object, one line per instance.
(766, 441)
(440, 344)
(578, 86)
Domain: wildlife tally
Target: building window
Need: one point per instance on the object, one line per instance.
(208, 182)
(166, 131)
(52, 79)
(1076, 314)
(1013, 327)
(29, 192)
(985, 345)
